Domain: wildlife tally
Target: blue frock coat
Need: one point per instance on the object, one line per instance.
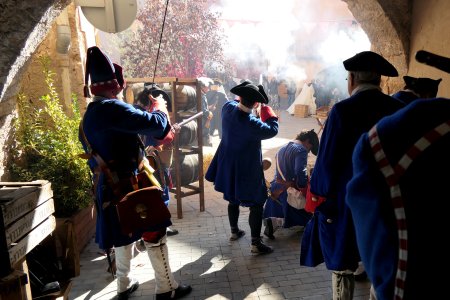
(236, 168)
(111, 127)
(348, 119)
(425, 192)
(405, 96)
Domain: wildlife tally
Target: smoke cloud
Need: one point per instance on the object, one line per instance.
(291, 38)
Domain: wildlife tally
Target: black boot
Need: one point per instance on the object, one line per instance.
(181, 291)
(124, 295)
(260, 248)
(171, 231)
(268, 231)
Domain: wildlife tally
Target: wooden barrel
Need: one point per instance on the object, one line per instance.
(166, 156)
(185, 97)
(188, 134)
(188, 168)
(132, 91)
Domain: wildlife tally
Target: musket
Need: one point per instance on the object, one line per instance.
(190, 119)
(440, 62)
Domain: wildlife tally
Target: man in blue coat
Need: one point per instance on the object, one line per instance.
(291, 171)
(424, 182)
(416, 88)
(330, 235)
(110, 128)
(236, 168)
(400, 172)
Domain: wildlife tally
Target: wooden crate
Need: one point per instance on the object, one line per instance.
(301, 110)
(14, 286)
(26, 219)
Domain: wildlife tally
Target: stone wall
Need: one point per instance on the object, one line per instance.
(24, 25)
(66, 63)
(430, 31)
(387, 24)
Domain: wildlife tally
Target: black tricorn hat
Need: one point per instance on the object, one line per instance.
(155, 91)
(422, 84)
(249, 91)
(263, 92)
(243, 82)
(368, 61)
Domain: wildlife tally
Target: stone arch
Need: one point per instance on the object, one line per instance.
(24, 26)
(387, 24)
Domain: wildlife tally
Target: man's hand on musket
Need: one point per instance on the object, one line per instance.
(176, 128)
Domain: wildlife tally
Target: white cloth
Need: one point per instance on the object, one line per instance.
(306, 97)
(123, 257)
(158, 253)
(365, 87)
(295, 198)
(343, 285)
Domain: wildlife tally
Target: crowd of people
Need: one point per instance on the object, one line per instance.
(371, 175)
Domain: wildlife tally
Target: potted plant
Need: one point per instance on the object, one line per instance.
(47, 147)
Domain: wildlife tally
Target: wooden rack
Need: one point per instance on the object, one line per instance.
(176, 116)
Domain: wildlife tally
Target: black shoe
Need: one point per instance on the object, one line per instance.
(171, 231)
(268, 231)
(237, 235)
(181, 291)
(260, 248)
(361, 277)
(127, 293)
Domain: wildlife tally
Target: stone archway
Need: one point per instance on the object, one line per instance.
(24, 26)
(387, 24)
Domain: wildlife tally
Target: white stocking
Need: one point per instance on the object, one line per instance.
(159, 258)
(123, 257)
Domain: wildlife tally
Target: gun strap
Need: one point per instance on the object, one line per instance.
(111, 177)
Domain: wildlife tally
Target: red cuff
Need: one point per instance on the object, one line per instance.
(168, 138)
(267, 113)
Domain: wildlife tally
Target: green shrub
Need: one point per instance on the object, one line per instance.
(47, 147)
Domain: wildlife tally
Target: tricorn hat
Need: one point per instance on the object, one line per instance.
(422, 85)
(263, 92)
(368, 61)
(249, 91)
(103, 73)
(155, 91)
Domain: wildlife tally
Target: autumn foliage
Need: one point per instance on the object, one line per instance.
(191, 42)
